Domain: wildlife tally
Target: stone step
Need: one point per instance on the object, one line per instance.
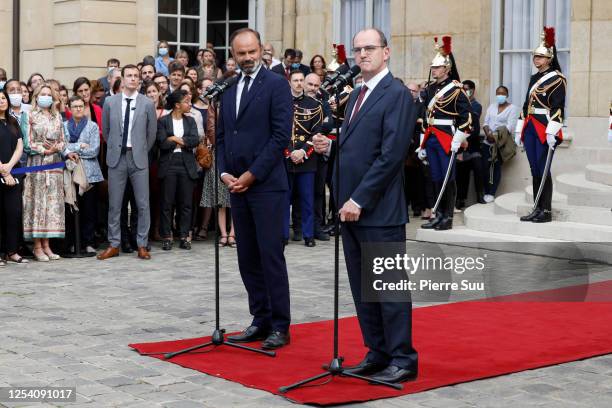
(481, 217)
(514, 203)
(463, 236)
(581, 191)
(557, 196)
(599, 173)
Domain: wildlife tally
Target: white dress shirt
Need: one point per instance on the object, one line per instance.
(177, 125)
(132, 110)
(508, 118)
(240, 86)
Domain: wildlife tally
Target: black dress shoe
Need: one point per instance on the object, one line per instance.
(185, 244)
(531, 216)
(445, 224)
(275, 340)
(394, 375)
(167, 245)
(251, 333)
(126, 248)
(365, 368)
(297, 235)
(310, 242)
(322, 236)
(433, 222)
(543, 216)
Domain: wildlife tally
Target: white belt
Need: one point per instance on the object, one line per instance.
(540, 111)
(442, 122)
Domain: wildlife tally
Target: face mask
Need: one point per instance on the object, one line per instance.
(469, 93)
(2, 83)
(163, 51)
(110, 69)
(295, 65)
(501, 99)
(45, 101)
(15, 100)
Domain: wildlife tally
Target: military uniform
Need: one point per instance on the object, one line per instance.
(447, 122)
(307, 121)
(539, 126)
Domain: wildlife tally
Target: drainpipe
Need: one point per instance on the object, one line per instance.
(16, 39)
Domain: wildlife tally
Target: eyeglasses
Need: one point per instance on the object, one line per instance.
(369, 49)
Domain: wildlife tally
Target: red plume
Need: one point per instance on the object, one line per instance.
(436, 40)
(549, 36)
(446, 45)
(341, 56)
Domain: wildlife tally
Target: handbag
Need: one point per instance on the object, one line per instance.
(203, 155)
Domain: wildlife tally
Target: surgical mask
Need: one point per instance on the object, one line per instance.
(2, 83)
(110, 69)
(15, 99)
(163, 51)
(501, 99)
(45, 101)
(469, 93)
(295, 65)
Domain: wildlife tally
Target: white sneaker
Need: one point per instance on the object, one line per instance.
(489, 198)
(90, 250)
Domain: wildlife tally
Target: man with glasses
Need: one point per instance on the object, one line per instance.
(373, 143)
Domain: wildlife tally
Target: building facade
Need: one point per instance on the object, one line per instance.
(492, 41)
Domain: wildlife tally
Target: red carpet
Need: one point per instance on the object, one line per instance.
(457, 342)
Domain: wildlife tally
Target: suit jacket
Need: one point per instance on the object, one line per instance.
(165, 129)
(255, 139)
(280, 69)
(144, 130)
(372, 151)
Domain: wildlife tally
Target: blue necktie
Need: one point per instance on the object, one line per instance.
(245, 91)
(126, 125)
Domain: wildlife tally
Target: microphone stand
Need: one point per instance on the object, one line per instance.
(334, 368)
(218, 336)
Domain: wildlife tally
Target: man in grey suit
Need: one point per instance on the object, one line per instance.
(129, 126)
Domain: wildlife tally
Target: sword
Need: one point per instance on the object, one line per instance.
(544, 177)
(448, 172)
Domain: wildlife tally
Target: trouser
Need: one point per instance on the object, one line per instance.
(177, 191)
(129, 216)
(117, 179)
(464, 168)
(303, 183)
(11, 222)
(536, 155)
(88, 216)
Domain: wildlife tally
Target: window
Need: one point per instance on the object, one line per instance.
(181, 23)
(351, 16)
(225, 17)
(517, 25)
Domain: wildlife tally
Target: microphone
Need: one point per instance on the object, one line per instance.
(345, 78)
(331, 78)
(218, 88)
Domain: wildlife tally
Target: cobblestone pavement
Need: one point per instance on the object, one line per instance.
(68, 323)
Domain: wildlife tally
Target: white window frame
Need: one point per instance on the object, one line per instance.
(496, 42)
(254, 18)
(336, 28)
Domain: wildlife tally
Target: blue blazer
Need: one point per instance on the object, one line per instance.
(372, 152)
(255, 139)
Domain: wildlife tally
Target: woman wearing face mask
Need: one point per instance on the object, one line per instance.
(499, 122)
(163, 59)
(11, 147)
(43, 195)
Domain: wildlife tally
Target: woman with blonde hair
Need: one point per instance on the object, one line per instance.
(43, 195)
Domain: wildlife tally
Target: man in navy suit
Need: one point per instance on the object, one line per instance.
(373, 144)
(253, 129)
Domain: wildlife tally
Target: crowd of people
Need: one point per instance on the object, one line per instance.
(48, 129)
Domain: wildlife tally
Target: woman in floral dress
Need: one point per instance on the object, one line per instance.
(43, 195)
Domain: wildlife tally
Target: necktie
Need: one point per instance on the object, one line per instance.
(126, 124)
(287, 72)
(362, 93)
(245, 91)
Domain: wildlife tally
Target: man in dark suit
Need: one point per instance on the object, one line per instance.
(285, 67)
(297, 63)
(374, 140)
(254, 128)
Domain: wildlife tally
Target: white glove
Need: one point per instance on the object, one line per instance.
(610, 135)
(517, 139)
(422, 153)
(551, 140)
(519, 126)
(455, 145)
